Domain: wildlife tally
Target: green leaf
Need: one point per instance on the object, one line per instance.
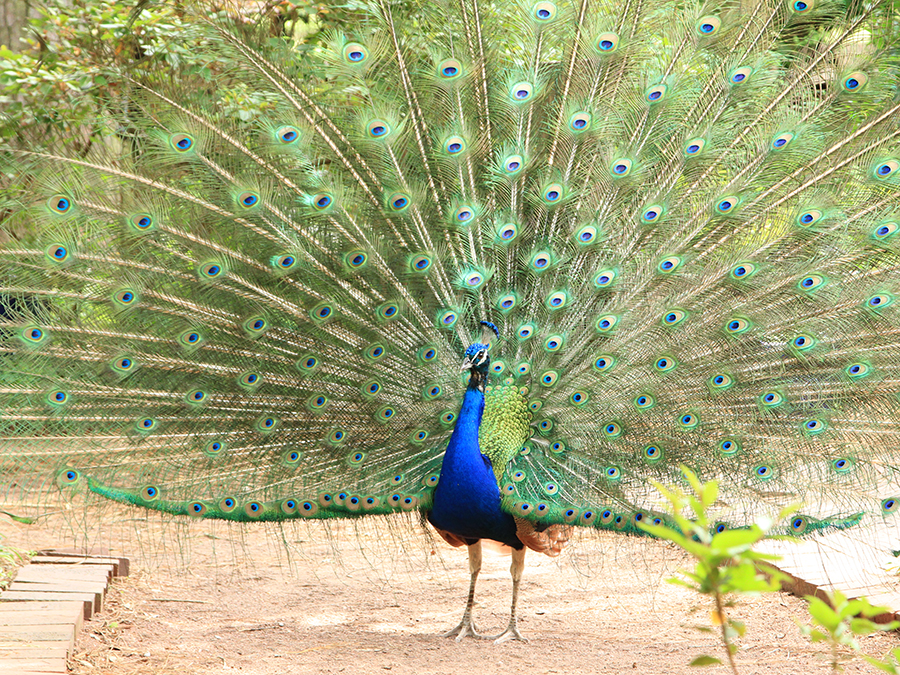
(861, 626)
(691, 478)
(737, 539)
(705, 660)
(709, 493)
(886, 666)
(675, 581)
(669, 495)
(823, 614)
(663, 532)
(852, 608)
(816, 635)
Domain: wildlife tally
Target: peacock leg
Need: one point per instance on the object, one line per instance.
(516, 569)
(467, 625)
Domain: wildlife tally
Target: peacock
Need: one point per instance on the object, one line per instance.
(506, 265)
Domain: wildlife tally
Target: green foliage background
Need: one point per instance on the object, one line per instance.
(72, 54)
(53, 78)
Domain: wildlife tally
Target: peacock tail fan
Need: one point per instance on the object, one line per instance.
(682, 222)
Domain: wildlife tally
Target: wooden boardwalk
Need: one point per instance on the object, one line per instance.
(45, 606)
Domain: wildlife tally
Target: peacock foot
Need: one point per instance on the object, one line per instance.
(511, 633)
(466, 628)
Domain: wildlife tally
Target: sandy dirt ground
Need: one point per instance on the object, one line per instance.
(373, 598)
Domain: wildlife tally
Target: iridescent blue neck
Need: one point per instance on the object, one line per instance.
(467, 497)
(470, 414)
(463, 451)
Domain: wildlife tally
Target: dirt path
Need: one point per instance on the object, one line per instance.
(220, 599)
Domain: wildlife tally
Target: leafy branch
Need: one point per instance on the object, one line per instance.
(726, 562)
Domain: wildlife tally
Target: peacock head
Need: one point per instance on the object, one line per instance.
(477, 358)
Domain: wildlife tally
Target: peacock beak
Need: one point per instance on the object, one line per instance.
(467, 364)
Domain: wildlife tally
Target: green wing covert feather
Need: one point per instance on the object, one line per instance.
(505, 426)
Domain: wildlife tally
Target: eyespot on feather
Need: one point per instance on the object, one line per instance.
(248, 199)
(59, 205)
(708, 25)
(580, 122)
(449, 70)
(140, 223)
(886, 170)
(694, 147)
(605, 278)
(855, 81)
(355, 54)
(656, 93)
(212, 270)
(287, 135)
(606, 43)
(885, 230)
(521, 92)
(181, 143)
(620, 168)
(378, 130)
(398, 202)
(544, 11)
(255, 326)
(455, 146)
(58, 253)
(740, 76)
(669, 264)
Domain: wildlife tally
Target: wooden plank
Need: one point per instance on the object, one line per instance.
(18, 666)
(42, 559)
(45, 613)
(46, 650)
(88, 599)
(60, 636)
(40, 605)
(37, 647)
(26, 618)
(98, 591)
(38, 634)
(67, 614)
(94, 552)
(75, 559)
(39, 618)
(120, 565)
(46, 605)
(54, 572)
(80, 585)
(64, 586)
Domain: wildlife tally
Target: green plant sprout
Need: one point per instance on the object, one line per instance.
(11, 559)
(839, 621)
(726, 564)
